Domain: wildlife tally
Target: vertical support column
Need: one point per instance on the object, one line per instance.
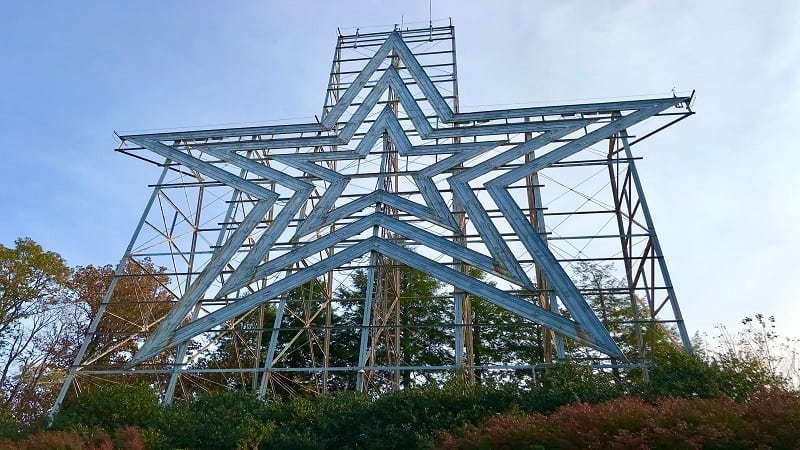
(621, 193)
(326, 359)
(365, 322)
(335, 93)
(178, 365)
(307, 303)
(394, 350)
(259, 339)
(547, 297)
(398, 349)
(462, 310)
(458, 317)
(328, 310)
(366, 328)
(462, 307)
(334, 86)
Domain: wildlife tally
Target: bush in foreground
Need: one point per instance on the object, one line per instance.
(218, 420)
(110, 408)
(771, 419)
(130, 417)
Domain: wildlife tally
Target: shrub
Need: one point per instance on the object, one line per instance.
(110, 408)
(321, 422)
(404, 419)
(219, 420)
(677, 374)
(568, 383)
(411, 418)
(61, 440)
(770, 420)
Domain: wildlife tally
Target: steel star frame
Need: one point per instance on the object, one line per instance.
(255, 236)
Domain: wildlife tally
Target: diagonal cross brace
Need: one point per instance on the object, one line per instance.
(240, 306)
(200, 284)
(445, 274)
(223, 254)
(241, 275)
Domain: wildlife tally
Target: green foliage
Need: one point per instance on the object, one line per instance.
(498, 337)
(501, 337)
(728, 398)
(335, 421)
(219, 420)
(409, 419)
(403, 419)
(740, 378)
(8, 427)
(304, 334)
(621, 315)
(36, 324)
(678, 374)
(614, 311)
(420, 312)
(27, 273)
(109, 408)
(570, 406)
(758, 341)
(567, 383)
(420, 306)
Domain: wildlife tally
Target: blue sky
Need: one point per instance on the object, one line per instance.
(721, 185)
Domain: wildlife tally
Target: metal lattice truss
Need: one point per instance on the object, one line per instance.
(391, 174)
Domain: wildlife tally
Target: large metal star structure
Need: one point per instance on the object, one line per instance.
(307, 207)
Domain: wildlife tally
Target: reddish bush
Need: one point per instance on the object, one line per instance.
(62, 440)
(771, 419)
(128, 438)
(505, 431)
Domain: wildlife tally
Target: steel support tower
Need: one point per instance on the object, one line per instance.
(289, 258)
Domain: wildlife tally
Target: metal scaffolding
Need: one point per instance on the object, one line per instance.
(293, 258)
